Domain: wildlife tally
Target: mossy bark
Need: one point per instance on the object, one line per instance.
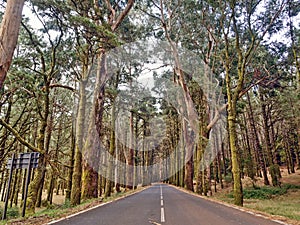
(92, 147)
(273, 168)
(231, 109)
(71, 165)
(77, 171)
(257, 146)
(108, 185)
(38, 178)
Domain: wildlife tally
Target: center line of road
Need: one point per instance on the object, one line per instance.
(162, 213)
(162, 210)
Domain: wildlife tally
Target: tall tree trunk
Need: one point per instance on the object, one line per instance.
(38, 178)
(130, 156)
(50, 189)
(77, 171)
(296, 118)
(48, 136)
(16, 197)
(189, 165)
(71, 165)
(220, 170)
(232, 116)
(108, 188)
(273, 167)
(9, 32)
(92, 145)
(257, 145)
(250, 164)
(13, 188)
(237, 186)
(118, 172)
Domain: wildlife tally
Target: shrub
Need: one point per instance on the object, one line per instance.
(11, 212)
(228, 178)
(263, 192)
(266, 192)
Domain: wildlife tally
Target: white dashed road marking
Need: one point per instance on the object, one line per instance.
(162, 210)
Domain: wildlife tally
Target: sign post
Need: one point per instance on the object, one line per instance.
(26, 185)
(8, 188)
(24, 161)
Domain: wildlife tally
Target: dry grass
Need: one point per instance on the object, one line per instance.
(287, 205)
(284, 207)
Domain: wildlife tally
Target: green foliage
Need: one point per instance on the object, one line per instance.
(66, 205)
(291, 186)
(11, 212)
(266, 192)
(228, 178)
(263, 192)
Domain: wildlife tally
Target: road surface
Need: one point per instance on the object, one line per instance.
(166, 205)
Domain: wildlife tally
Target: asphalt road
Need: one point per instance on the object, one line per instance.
(162, 204)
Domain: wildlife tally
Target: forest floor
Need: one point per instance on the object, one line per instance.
(282, 203)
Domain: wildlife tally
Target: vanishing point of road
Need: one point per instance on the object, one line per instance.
(166, 205)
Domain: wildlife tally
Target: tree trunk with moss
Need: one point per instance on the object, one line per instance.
(77, 171)
(189, 159)
(38, 178)
(257, 146)
(248, 156)
(109, 180)
(71, 165)
(201, 178)
(92, 147)
(232, 97)
(273, 167)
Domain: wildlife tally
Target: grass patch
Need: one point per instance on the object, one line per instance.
(281, 201)
(228, 178)
(266, 192)
(54, 211)
(11, 213)
(287, 205)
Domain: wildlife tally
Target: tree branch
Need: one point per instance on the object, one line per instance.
(19, 138)
(123, 15)
(63, 86)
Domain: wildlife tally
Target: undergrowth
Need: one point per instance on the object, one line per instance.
(266, 192)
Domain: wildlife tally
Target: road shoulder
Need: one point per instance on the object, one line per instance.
(279, 219)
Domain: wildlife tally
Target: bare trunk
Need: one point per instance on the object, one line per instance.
(71, 165)
(9, 32)
(130, 157)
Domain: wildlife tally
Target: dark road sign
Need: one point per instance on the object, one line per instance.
(24, 161)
